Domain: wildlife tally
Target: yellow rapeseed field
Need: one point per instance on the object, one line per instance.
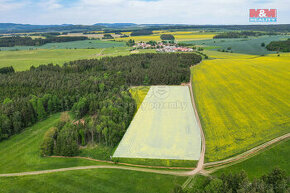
(179, 35)
(242, 101)
(140, 38)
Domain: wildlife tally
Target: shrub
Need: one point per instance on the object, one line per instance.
(49, 142)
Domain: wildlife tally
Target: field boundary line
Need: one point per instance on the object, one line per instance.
(175, 173)
(126, 164)
(200, 163)
(248, 153)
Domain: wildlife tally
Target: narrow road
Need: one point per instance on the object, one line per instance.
(127, 164)
(202, 153)
(247, 154)
(175, 173)
(96, 167)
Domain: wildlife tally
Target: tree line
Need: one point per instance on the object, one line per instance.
(242, 34)
(277, 181)
(28, 41)
(6, 70)
(96, 92)
(282, 46)
(141, 32)
(167, 37)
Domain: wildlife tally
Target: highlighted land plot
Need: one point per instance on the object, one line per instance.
(164, 127)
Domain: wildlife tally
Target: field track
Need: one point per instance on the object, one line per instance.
(176, 173)
(247, 154)
(96, 167)
(202, 153)
(128, 164)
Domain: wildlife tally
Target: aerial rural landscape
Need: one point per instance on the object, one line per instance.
(122, 107)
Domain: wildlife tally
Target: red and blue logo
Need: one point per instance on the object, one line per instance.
(263, 15)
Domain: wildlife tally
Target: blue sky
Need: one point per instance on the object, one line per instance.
(136, 11)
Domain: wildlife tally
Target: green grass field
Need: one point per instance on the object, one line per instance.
(96, 151)
(158, 162)
(21, 152)
(242, 102)
(84, 44)
(99, 180)
(251, 45)
(277, 155)
(24, 59)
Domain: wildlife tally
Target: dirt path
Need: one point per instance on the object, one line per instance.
(96, 167)
(202, 153)
(200, 163)
(127, 164)
(247, 154)
(191, 174)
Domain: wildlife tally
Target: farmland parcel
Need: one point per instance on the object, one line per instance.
(164, 127)
(243, 102)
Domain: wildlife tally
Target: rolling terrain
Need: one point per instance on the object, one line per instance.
(83, 44)
(251, 45)
(242, 101)
(24, 59)
(21, 153)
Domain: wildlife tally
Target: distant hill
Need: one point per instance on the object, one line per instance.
(14, 26)
(117, 25)
(17, 28)
(114, 27)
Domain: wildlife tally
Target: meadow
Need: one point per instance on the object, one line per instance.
(21, 152)
(164, 127)
(84, 44)
(242, 101)
(98, 180)
(251, 45)
(278, 155)
(24, 59)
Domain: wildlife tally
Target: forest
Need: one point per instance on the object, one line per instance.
(141, 32)
(96, 92)
(28, 41)
(242, 34)
(6, 70)
(167, 37)
(274, 182)
(282, 46)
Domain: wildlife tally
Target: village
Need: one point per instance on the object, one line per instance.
(162, 46)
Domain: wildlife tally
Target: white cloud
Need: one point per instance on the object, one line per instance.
(50, 4)
(162, 11)
(8, 5)
(101, 2)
